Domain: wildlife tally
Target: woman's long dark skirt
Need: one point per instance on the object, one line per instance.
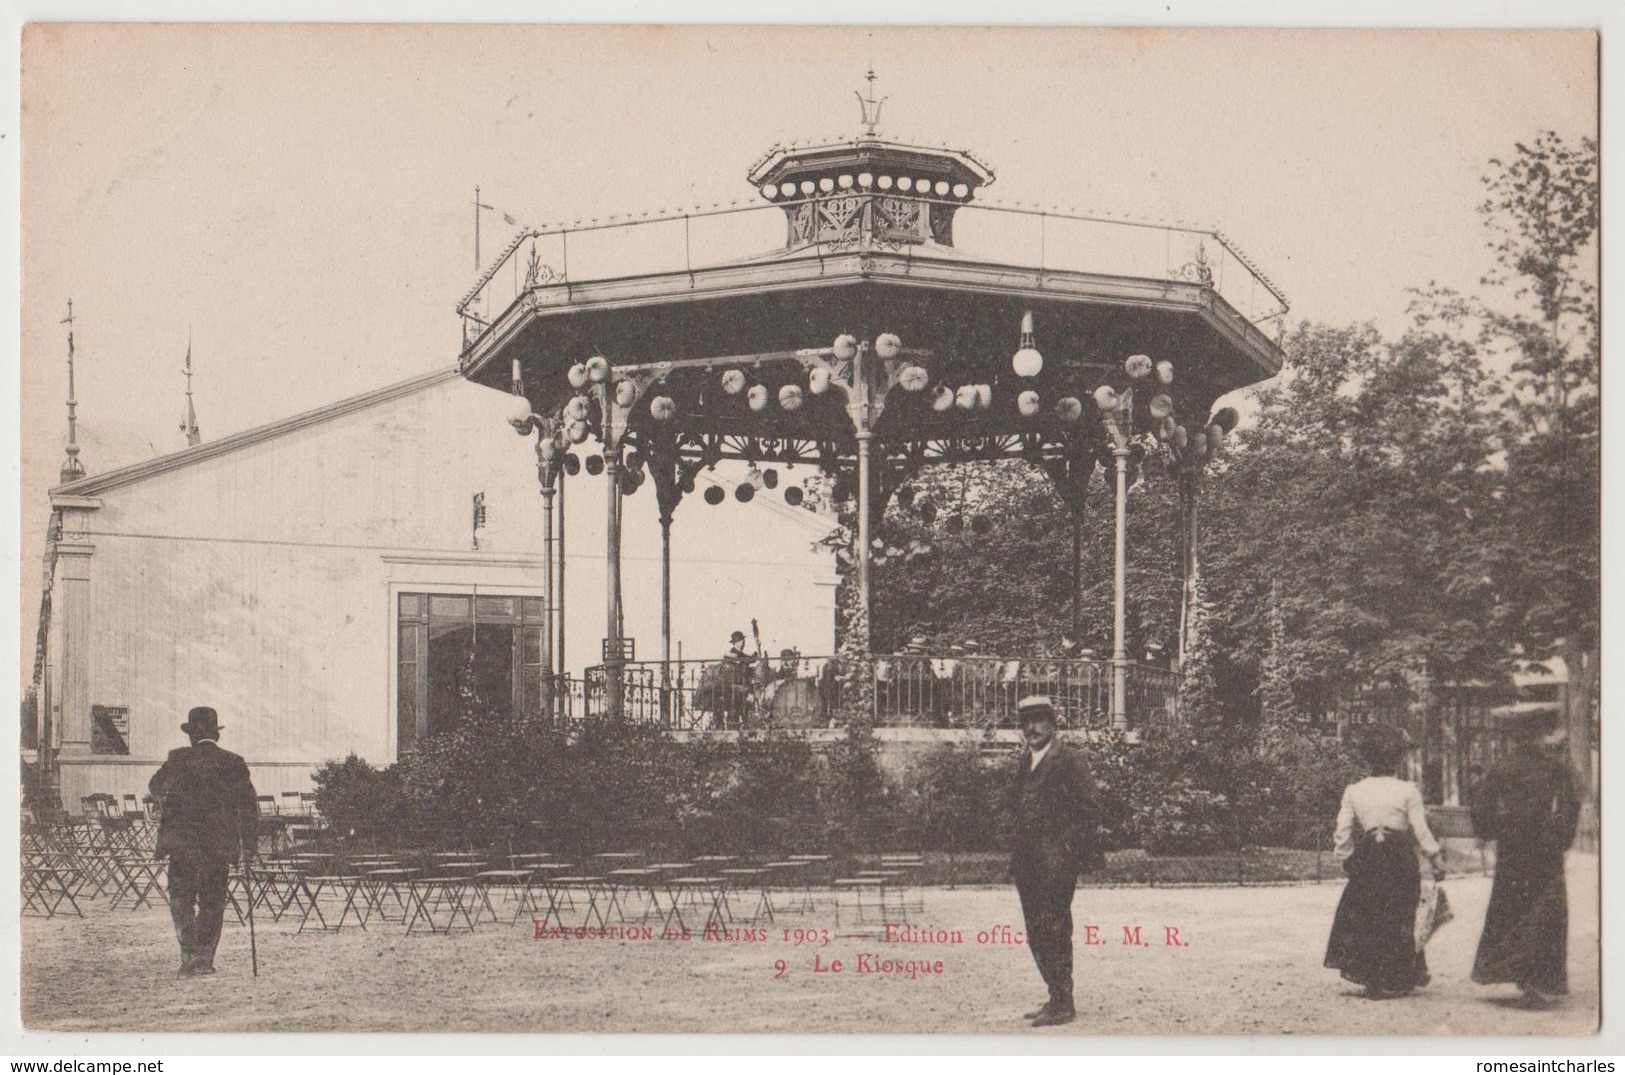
(1373, 935)
(1526, 929)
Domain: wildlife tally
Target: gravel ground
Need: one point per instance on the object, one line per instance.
(1248, 962)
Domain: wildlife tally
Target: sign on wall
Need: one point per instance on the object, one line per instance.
(109, 729)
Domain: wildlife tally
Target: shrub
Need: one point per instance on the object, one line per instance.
(952, 799)
(356, 799)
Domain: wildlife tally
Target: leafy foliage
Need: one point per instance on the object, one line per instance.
(935, 580)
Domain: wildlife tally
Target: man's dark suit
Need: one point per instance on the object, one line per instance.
(210, 818)
(1054, 839)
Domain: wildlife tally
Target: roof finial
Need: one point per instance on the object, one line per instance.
(870, 106)
(71, 467)
(189, 418)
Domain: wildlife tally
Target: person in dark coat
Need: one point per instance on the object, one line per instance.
(736, 682)
(1381, 825)
(1054, 838)
(1528, 806)
(210, 819)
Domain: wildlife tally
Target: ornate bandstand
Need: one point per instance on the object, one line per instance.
(895, 320)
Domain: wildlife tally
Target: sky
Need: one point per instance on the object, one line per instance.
(295, 203)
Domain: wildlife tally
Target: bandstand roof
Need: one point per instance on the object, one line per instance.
(949, 277)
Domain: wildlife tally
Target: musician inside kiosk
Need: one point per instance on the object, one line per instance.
(736, 682)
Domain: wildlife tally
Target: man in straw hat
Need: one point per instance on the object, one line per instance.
(1054, 839)
(210, 818)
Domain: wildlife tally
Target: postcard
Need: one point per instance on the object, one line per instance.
(1058, 533)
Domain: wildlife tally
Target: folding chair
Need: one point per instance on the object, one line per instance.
(908, 869)
(433, 897)
(590, 888)
(46, 885)
(708, 892)
(746, 880)
(792, 877)
(140, 877)
(860, 888)
(389, 891)
(341, 889)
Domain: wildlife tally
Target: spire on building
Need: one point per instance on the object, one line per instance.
(871, 107)
(71, 467)
(189, 418)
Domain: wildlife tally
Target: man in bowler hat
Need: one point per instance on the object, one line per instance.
(210, 820)
(1054, 839)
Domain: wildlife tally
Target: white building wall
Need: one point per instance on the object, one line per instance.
(262, 581)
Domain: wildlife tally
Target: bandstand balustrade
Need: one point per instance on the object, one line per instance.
(895, 691)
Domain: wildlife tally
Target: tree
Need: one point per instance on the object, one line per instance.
(1541, 209)
(1002, 574)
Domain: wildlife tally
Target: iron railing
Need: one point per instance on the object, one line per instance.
(550, 260)
(903, 690)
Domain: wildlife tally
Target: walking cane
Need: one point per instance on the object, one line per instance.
(253, 944)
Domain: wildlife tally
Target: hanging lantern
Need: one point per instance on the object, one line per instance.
(981, 524)
(965, 397)
(818, 380)
(745, 493)
(846, 347)
(887, 345)
(630, 481)
(714, 495)
(942, 399)
(577, 375)
(1027, 362)
(572, 464)
(790, 397)
(578, 432)
(518, 413)
(984, 396)
(1215, 437)
(793, 495)
(928, 512)
(1068, 408)
(1181, 438)
(1028, 404)
(597, 369)
(955, 524)
(757, 397)
(626, 393)
(770, 478)
(733, 382)
(663, 408)
(576, 409)
(1199, 443)
(1106, 398)
(1137, 366)
(595, 465)
(914, 378)
(905, 496)
(1165, 372)
(1226, 418)
(632, 460)
(1160, 406)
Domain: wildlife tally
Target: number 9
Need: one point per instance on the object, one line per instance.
(779, 967)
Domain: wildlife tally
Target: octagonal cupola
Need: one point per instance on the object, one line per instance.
(868, 191)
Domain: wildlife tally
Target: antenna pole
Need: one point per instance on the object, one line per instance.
(71, 467)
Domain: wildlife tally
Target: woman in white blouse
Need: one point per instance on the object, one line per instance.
(1380, 827)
